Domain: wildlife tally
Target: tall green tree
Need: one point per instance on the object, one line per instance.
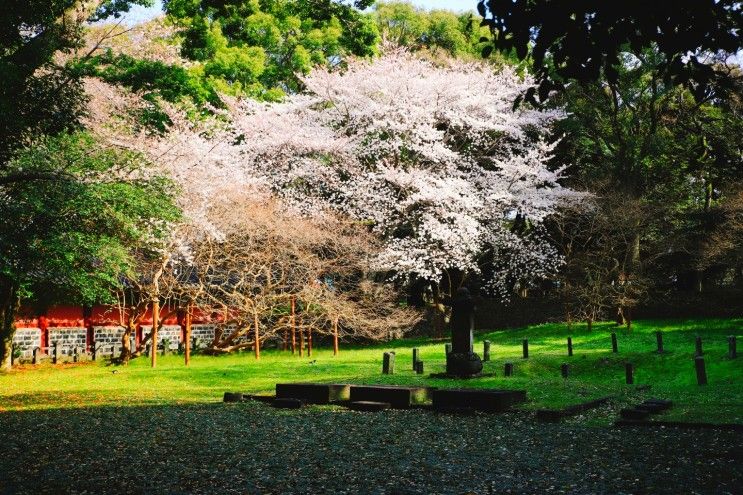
(70, 238)
(39, 95)
(259, 47)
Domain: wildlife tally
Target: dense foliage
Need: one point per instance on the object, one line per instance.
(585, 41)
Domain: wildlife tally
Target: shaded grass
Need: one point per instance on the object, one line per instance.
(595, 371)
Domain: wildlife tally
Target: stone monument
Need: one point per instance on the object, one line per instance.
(462, 361)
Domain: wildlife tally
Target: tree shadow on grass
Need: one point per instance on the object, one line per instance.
(253, 448)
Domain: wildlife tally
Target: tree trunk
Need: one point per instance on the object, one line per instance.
(294, 328)
(155, 324)
(126, 350)
(309, 342)
(9, 304)
(187, 343)
(257, 336)
(438, 316)
(589, 323)
(335, 337)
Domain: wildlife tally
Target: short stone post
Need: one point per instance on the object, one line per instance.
(113, 351)
(629, 373)
(486, 350)
(565, 370)
(525, 348)
(732, 347)
(614, 345)
(56, 353)
(701, 372)
(508, 369)
(698, 345)
(12, 354)
(447, 348)
(570, 346)
(181, 347)
(416, 358)
(36, 355)
(75, 355)
(419, 367)
(388, 363)
(659, 341)
(148, 349)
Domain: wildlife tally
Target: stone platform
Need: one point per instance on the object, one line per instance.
(481, 400)
(313, 393)
(397, 397)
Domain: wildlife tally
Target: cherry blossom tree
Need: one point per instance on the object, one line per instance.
(433, 158)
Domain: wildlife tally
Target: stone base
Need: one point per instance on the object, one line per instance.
(463, 364)
(368, 406)
(313, 393)
(447, 375)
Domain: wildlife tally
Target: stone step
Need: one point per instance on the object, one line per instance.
(397, 397)
(634, 414)
(666, 404)
(481, 400)
(233, 397)
(368, 406)
(288, 403)
(313, 393)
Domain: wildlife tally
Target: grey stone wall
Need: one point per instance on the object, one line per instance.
(27, 339)
(170, 332)
(68, 338)
(205, 333)
(105, 337)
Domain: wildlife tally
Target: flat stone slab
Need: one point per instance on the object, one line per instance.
(368, 406)
(233, 397)
(313, 393)
(462, 377)
(288, 403)
(481, 400)
(397, 397)
(634, 414)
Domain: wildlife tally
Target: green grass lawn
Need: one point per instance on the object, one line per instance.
(595, 371)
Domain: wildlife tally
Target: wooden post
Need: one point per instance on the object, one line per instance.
(698, 345)
(293, 325)
(525, 348)
(257, 336)
(565, 370)
(570, 346)
(732, 347)
(335, 337)
(486, 350)
(36, 354)
(309, 341)
(386, 363)
(416, 355)
(701, 373)
(614, 345)
(153, 335)
(629, 373)
(187, 350)
(508, 369)
(659, 341)
(419, 367)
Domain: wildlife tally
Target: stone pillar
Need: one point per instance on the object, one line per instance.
(565, 370)
(416, 353)
(419, 367)
(486, 350)
(570, 346)
(659, 341)
(732, 347)
(701, 372)
(56, 353)
(698, 345)
(614, 345)
(508, 369)
(629, 373)
(36, 356)
(525, 348)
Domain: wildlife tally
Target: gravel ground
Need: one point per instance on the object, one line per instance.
(252, 448)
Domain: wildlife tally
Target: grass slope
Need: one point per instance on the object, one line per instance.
(595, 371)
